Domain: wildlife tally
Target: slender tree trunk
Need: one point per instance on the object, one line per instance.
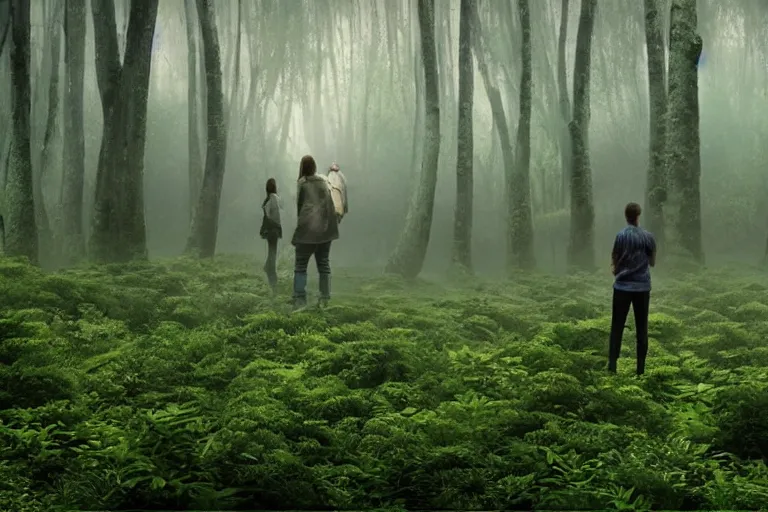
(205, 223)
(119, 229)
(502, 129)
(408, 257)
(233, 103)
(581, 250)
(20, 225)
(656, 187)
(683, 142)
(565, 105)
(45, 234)
(522, 220)
(370, 72)
(462, 227)
(418, 118)
(193, 120)
(73, 173)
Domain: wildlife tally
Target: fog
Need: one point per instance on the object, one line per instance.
(339, 80)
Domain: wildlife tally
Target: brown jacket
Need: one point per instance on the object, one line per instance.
(316, 221)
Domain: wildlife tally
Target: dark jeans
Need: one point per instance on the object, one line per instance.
(270, 266)
(321, 253)
(621, 302)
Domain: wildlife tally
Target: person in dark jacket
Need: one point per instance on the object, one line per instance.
(316, 227)
(271, 231)
(634, 252)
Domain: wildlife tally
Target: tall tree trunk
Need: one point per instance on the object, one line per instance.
(45, 234)
(522, 221)
(408, 257)
(193, 121)
(683, 142)
(205, 223)
(370, 73)
(418, 118)
(73, 173)
(462, 227)
(656, 187)
(565, 105)
(502, 129)
(20, 225)
(119, 228)
(581, 249)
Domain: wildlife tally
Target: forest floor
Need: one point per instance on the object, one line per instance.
(178, 385)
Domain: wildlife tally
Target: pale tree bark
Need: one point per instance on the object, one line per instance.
(581, 247)
(522, 255)
(119, 228)
(418, 118)
(73, 172)
(683, 141)
(462, 227)
(565, 105)
(408, 257)
(502, 130)
(205, 222)
(45, 234)
(193, 101)
(19, 220)
(656, 187)
(370, 70)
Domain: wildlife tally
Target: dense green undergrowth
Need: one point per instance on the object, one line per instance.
(177, 385)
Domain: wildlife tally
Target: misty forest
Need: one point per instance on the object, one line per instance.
(489, 149)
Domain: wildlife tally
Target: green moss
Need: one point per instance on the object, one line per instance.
(178, 384)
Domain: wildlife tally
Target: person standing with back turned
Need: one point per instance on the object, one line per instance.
(316, 227)
(634, 252)
(271, 231)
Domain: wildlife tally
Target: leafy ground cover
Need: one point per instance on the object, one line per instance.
(178, 385)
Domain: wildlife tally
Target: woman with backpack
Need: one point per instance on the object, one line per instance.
(271, 231)
(316, 227)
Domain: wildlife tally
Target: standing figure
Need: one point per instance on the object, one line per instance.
(634, 252)
(338, 184)
(271, 231)
(316, 227)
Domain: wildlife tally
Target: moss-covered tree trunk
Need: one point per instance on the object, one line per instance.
(205, 222)
(119, 228)
(73, 172)
(408, 257)
(656, 185)
(683, 158)
(193, 120)
(522, 220)
(20, 226)
(462, 226)
(564, 104)
(581, 248)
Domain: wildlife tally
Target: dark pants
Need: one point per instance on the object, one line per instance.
(621, 302)
(322, 254)
(270, 266)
